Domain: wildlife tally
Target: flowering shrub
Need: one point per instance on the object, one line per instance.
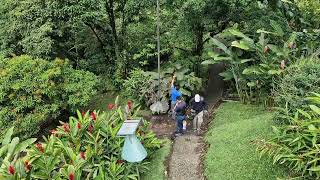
(86, 147)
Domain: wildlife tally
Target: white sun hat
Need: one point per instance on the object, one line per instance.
(197, 98)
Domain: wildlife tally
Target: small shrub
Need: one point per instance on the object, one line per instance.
(85, 147)
(298, 81)
(34, 90)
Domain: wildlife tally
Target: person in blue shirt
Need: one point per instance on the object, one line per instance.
(174, 94)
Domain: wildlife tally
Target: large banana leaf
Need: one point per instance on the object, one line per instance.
(185, 92)
(208, 62)
(236, 32)
(251, 70)
(227, 75)
(222, 46)
(240, 44)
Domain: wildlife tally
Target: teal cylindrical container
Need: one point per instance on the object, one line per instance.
(133, 151)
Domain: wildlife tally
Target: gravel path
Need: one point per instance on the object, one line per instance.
(185, 158)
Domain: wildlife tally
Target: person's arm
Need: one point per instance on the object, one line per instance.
(176, 107)
(191, 103)
(173, 79)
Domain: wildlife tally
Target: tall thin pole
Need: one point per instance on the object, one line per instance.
(158, 42)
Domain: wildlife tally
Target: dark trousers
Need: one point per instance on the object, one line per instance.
(179, 121)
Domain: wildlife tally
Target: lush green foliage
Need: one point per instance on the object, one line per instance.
(270, 44)
(252, 65)
(86, 147)
(297, 82)
(296, 144)
(143, 86)
(231, 154)
(34, 90)
(311, 11)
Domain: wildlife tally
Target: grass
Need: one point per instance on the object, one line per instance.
(157, 166)
(231, 154)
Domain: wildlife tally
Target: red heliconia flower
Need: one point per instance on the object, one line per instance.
(93, 116)
(83, 155)
(83, 113)
(40, 147)
(129, 104)
(90, 128)
(110, 106)
(66, 127)
(53, 131)
(71, 176)
(27, 165)
(11, 169)
(120, 161)
(79, 125)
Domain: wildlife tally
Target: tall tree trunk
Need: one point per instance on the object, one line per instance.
(112, 24)
(198, 46)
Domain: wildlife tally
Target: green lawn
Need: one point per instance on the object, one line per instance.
(157, 165)
(231, 154)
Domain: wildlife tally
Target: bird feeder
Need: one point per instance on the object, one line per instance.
(133, 150)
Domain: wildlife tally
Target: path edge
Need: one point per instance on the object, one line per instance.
(204, 146)
(168, 159)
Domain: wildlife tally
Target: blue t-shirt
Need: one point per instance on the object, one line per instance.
(174, 94)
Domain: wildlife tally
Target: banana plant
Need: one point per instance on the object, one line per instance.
(252, 65)
(232, 51)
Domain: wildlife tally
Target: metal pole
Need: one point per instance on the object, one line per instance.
(158, 42)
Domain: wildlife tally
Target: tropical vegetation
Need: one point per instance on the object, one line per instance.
(61, 57)
(85, 147)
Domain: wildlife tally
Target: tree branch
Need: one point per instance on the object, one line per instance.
(95, 33)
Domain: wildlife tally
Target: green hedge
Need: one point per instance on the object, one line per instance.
(34, 90)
